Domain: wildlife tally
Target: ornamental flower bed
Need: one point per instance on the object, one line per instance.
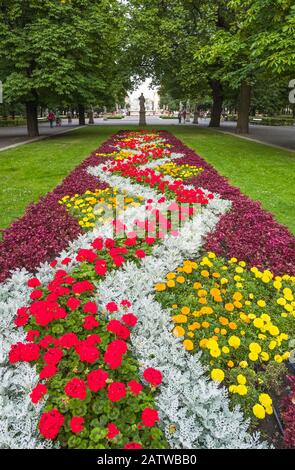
(241, 319)
(86, 368)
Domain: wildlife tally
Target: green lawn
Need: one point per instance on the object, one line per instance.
(263, 173)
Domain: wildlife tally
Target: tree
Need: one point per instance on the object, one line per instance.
(58, 51)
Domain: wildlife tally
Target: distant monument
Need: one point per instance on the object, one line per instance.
(142, 119)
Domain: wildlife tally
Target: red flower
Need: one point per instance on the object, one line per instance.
(149, 417)
(116, 391)
(126, 303)
(34, 282)
(76, 424)
(53, 356)
(86, 255)
(97, 379)
(73, 303)
(66, 261)
(97, 244)
(90, 307)
(32, 334)
(109, 243)
(129, 319)
(87, 352)
(150, 240)
(68, 340)
(36, 294)
(53, 263)
(22, 317)
(132, 445)
(27, 352)
(140, 254)
(50, 424)
(38, 392)
(82, 286)
(101, 267)
(92, 340)
(153, 376)
(130, 241)
(114, 353)
(115, 326)
(118, 260)
(76, 388)
(46, 341)
(111, 307)
(47, 372)
(135, 387)
(113, 431)
(90, 322)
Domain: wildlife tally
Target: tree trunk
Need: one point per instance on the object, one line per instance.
(244, 109)
(217, 94)
(81, 112)
(196, 115)
(32, 119)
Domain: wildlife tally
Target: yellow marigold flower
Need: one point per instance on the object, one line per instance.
(241, 379)
(278, 358)
(230, 364)
(232, 325)
(264, 356)
(205, 273)
(179, 318)
(216, 275)
(265, 399)
(190, 334)
(203, 343)
(232, 388)
(223, 280)
(211, 255)
(286, 355)
(171, 276)
(217, 330)
(274, 331)
(160, 287)
(197, 285)
(258, 323)
(229, 307)
(242, 263)
(223, 321)
(185, 310)
(214, 292)
(242, 389)
(188, 344)
(194, 326)
(170, 283)
(215, 352)
(237, 296)
(255, 348)
(180, 279)
(178, 331)
(202, 293)
(253, 356)
(217, 374)
(261, 303)
(206, 310)
(277, 285)
(202, 300)
(258, 411)
(234, 341)
(288, 307)
(205, 324)
(281, 301)
(225, 349)
(239, 270)
(269, 409)
(243, 364)
(272, 345)
(223, 331)
(174, 306)
(233, 260)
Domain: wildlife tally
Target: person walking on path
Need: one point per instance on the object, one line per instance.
(179, 117)
(58, 119)
(184, 115)
(51, 118)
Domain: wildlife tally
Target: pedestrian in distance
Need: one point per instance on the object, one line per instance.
(179, 116)
(51, 118)
(184, 115)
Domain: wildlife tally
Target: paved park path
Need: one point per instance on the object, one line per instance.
(281, 136)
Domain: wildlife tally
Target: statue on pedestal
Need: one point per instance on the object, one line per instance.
(142, 119)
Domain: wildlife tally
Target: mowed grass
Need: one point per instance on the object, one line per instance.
(262, 172)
